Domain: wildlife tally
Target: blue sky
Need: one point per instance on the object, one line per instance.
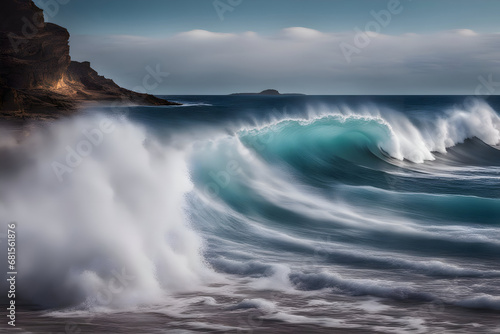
(163, 17)
(122, 37)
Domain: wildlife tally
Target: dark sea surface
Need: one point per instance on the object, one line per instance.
(261, 214)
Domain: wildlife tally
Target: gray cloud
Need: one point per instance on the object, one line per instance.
(298, 60)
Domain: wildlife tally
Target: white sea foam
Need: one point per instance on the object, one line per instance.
(114, 232)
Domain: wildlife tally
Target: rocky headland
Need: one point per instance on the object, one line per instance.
(38, 80)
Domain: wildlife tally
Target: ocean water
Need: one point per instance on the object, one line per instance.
(287, 214)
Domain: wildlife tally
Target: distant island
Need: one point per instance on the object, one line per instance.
(268, 92)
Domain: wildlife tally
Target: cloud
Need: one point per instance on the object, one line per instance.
(299, 59)
(203, 34)
(301, 33)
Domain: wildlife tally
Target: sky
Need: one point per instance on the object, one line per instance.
(307, 46)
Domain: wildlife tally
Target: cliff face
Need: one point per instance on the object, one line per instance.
(34, 54)
(87, 84)
(37, 76)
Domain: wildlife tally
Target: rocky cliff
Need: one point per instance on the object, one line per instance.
(38, 78)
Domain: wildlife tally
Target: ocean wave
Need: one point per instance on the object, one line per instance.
(343, 133)
(483, 301)
(358, 287)
(126, 214)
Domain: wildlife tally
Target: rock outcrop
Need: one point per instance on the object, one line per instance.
(38, 78)
(267, 92)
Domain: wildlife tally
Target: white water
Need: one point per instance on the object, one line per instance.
(119, 211)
